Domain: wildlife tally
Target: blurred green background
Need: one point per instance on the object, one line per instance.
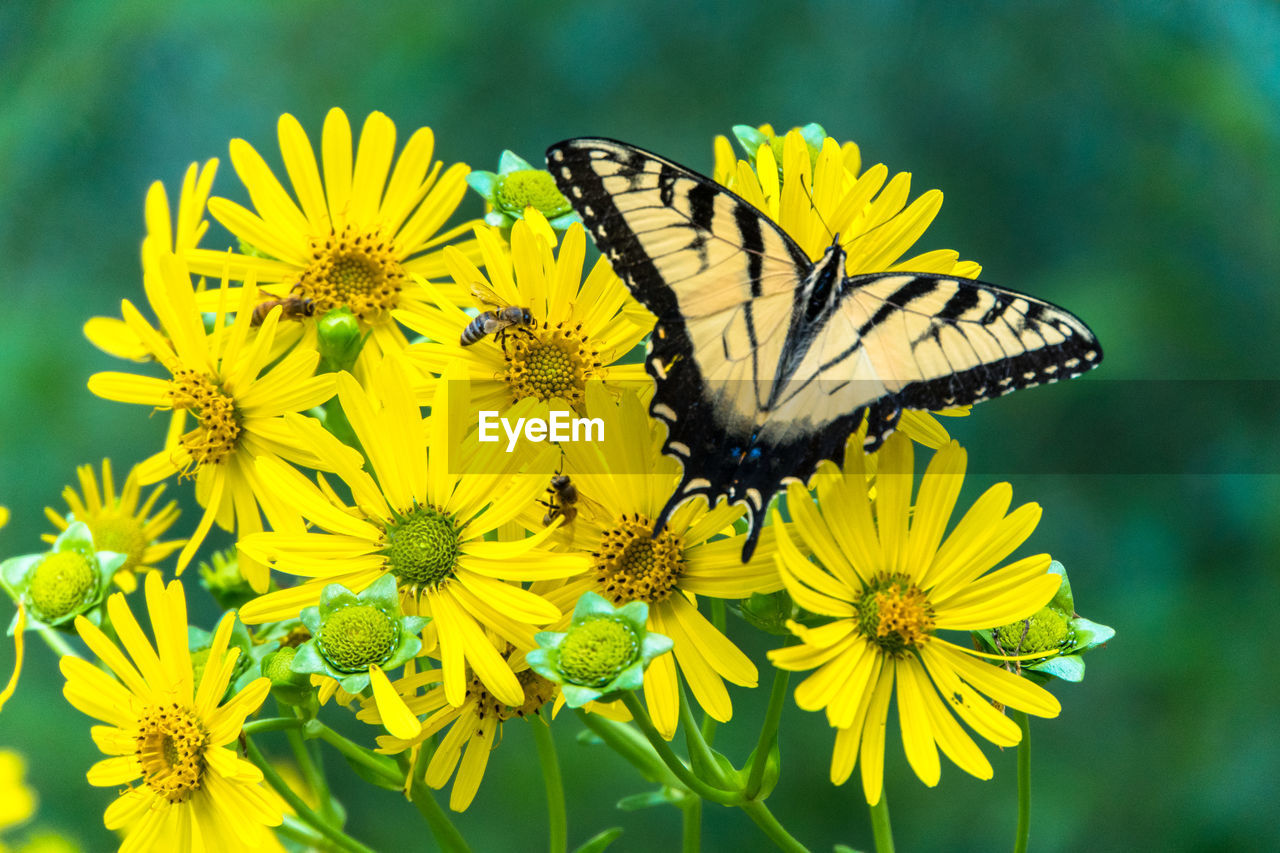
(1122, 159)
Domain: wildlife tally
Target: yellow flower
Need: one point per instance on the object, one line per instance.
(474, 726)
(813, 199)
(17, 799)
(623, 482)
(117, 522)
(890, 581)
(224, 381)
(579, 330)
(424, 520)
(348, 235)
(113, 335)
(171, 732)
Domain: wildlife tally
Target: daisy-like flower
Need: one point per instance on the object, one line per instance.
(891, 582)
(224, 381)
(169, 733)
(579, 330)
(623, 482)
(474, 726)
(120, 522)
(354, 232)
(820, 190)
(423, 520)
(113, 335)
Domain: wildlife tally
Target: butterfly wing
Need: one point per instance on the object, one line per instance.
(722, 280)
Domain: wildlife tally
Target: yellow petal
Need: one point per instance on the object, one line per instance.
(396, 717)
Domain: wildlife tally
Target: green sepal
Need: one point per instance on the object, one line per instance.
(1062, 599)
(733, 778)
(600, 841)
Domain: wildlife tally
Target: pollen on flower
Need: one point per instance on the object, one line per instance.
(895, 614)
(632, 565)
(218, 429)
(594, 652)
(537, 692)
(354, 637)
(422, 548)
(171, 744)
(530, 187)
(551, 362)
(1048, 629)
(355, 269)
(61, 584)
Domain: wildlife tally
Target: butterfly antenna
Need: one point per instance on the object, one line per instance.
(813, 206)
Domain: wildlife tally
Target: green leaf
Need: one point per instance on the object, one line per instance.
(732, 778)
(772, 770)
(598, 842)
(586, 737)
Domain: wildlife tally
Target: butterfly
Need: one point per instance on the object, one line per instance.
(765, 360)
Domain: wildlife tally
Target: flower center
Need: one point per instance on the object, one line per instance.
(422, 548)
(594, 652)
(537, 692)
(120, 533)
(357, 269)
(895, 614)
(218, 424)
(550, 362)
(1048, 629)
(631, 565)
(355, 636)
(61, 585)
(171, 743)
(530, 187)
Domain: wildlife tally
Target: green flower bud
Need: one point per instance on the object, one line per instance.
(517, 185)
(70, 579)
(339, 340)
(224, 580)
(768, 611)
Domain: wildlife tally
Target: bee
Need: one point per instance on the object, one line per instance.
(563, 502)
(291, 308)
(493, 322)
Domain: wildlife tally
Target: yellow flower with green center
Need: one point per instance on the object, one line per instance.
(421, 515)
(891, 582)
(169, 733)
(233, 388)
(579, 332)
(813, 196)
(122, 523)
(354, 232)
(622, 484)
(474, 725)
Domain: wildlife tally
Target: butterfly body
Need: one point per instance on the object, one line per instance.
(765, 361)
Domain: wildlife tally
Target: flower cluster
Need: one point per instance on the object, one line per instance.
(325, 380)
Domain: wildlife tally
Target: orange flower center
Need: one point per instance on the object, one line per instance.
(218, 423)
(895, 614)
(550, 362)
(360, 270)
(631, 565)
(537, 692)
(171, 743)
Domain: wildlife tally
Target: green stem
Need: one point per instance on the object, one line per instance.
(880, 828)
(1024, 784)
(686, 776)
(691, 835)
(312, 773)
(550, 763)
(55, 641)
(768, 733)
(447, 835)
(709, 724)
(271, 724)
(304, 811)
(631, 746)
(700, 754)
(759, 812)
(352, 751)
